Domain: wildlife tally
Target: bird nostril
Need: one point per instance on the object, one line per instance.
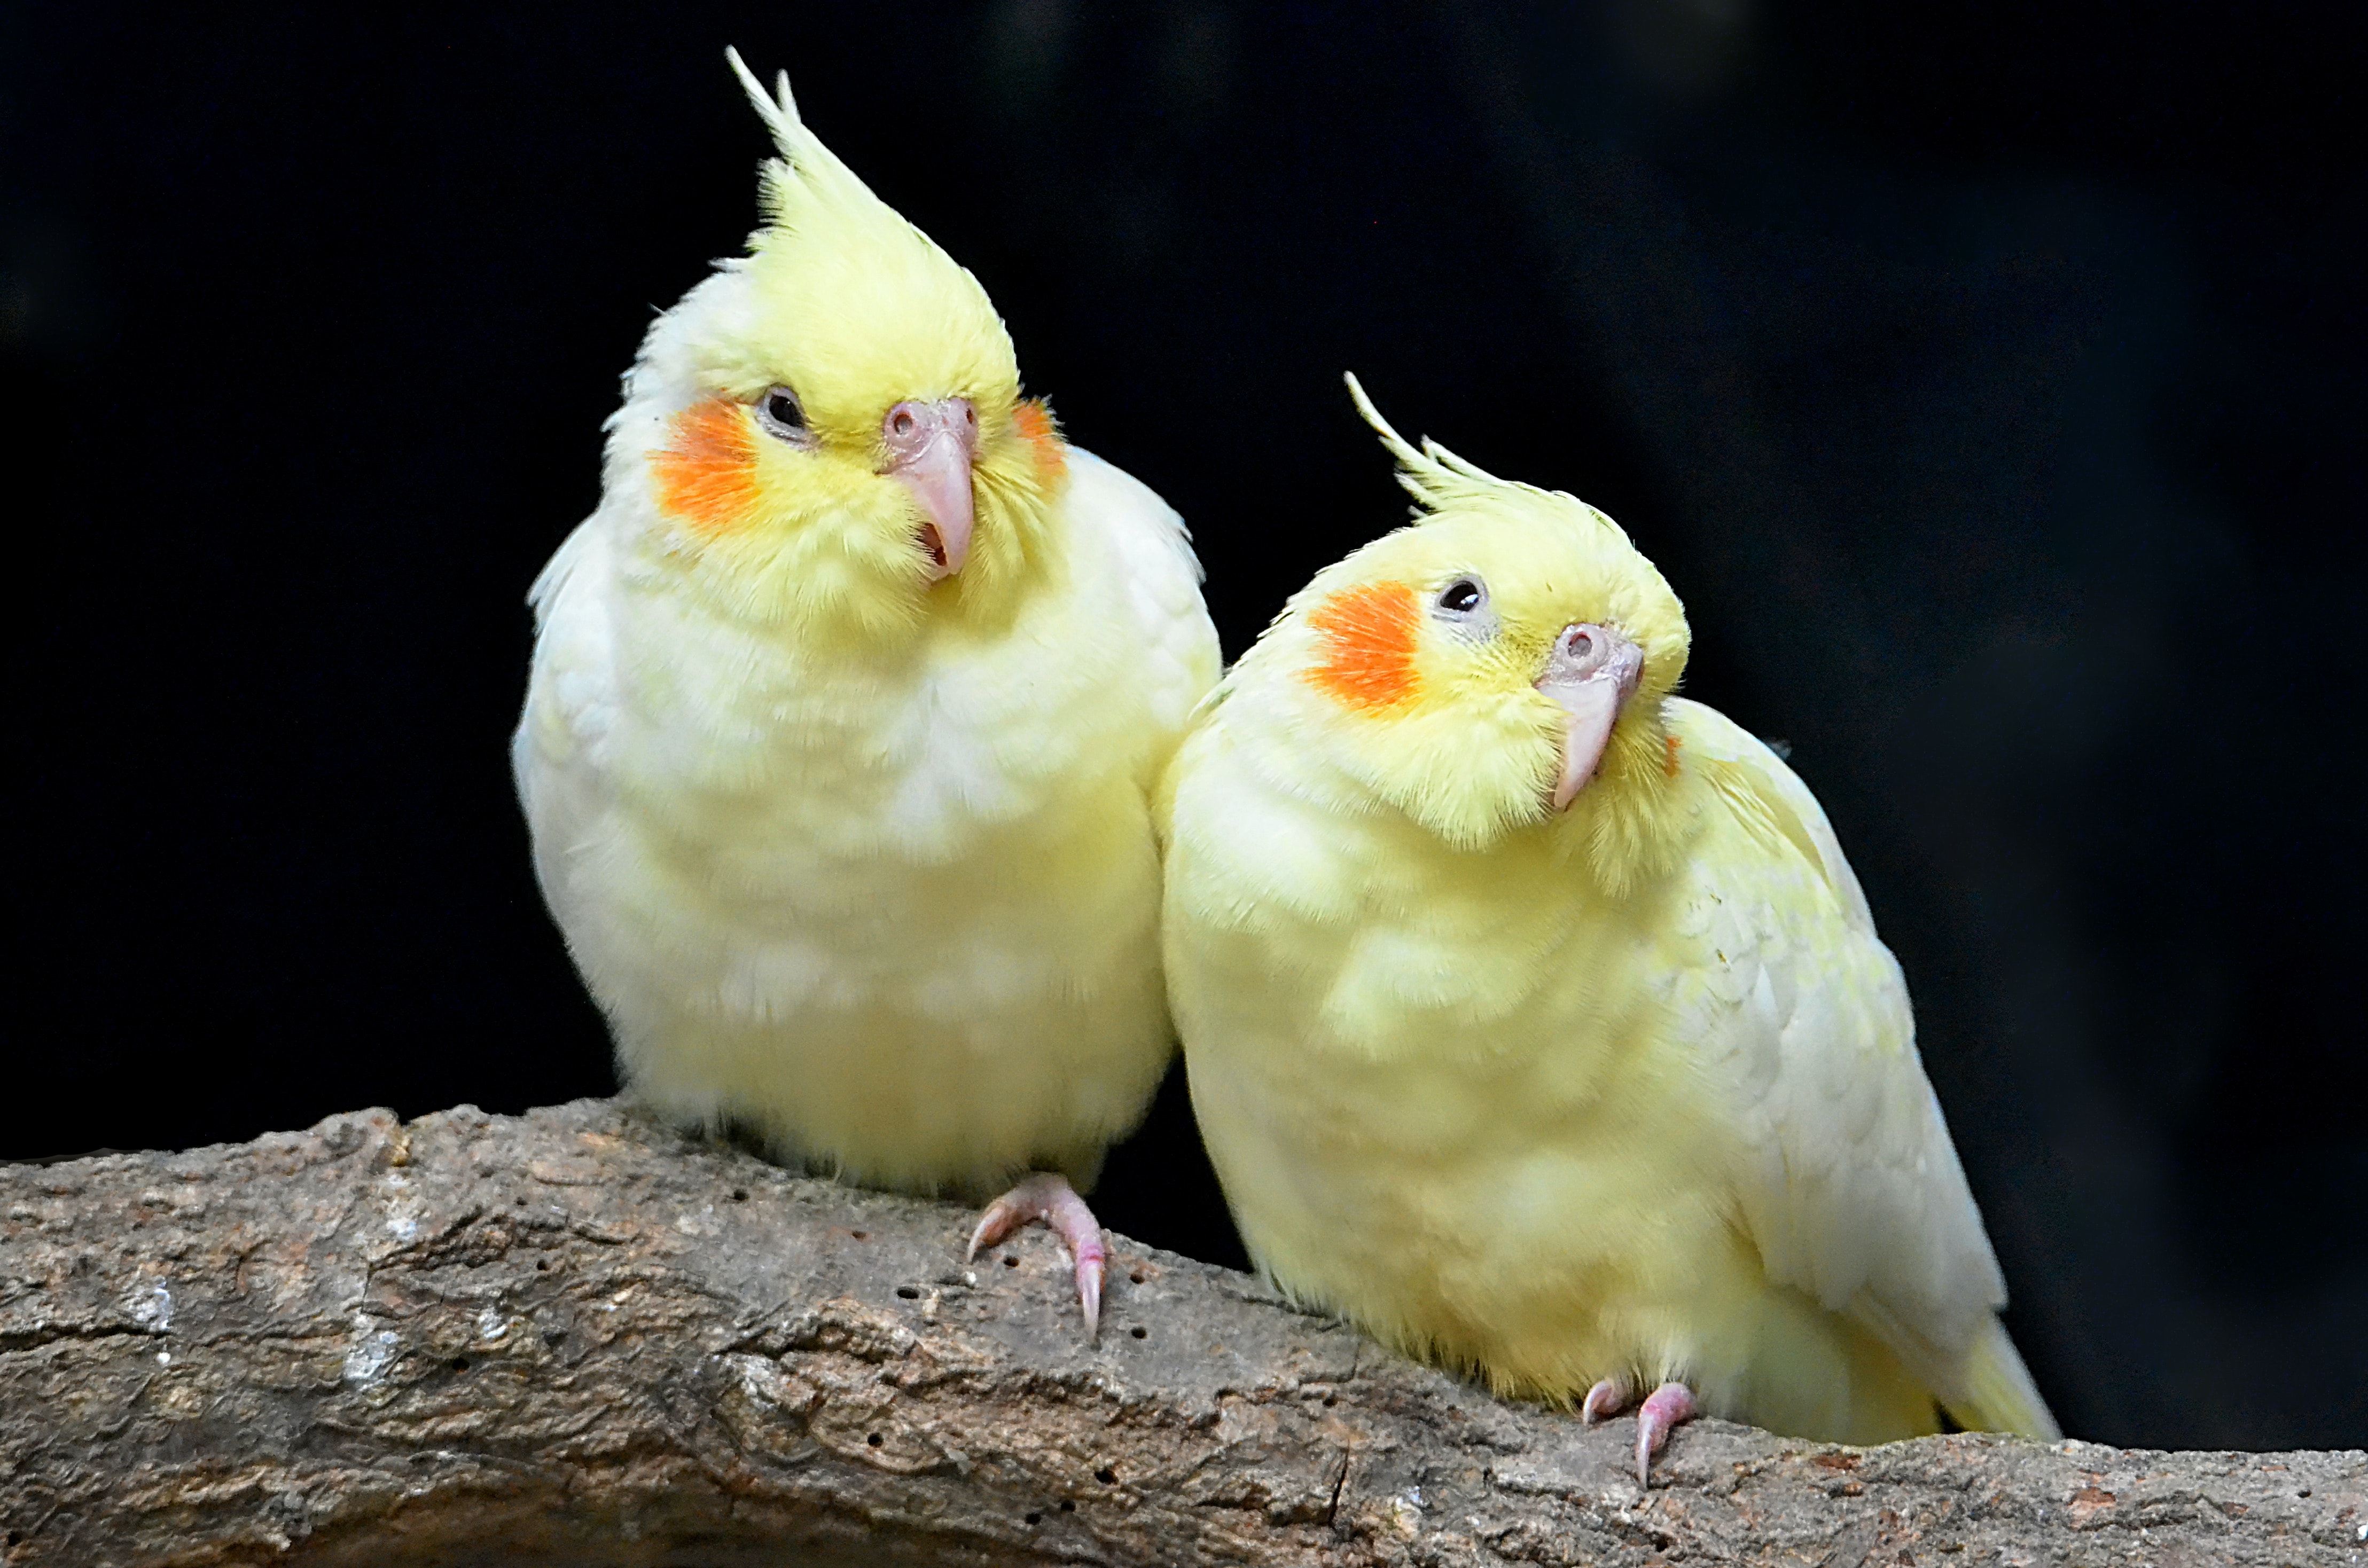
(900, 422)
(1579, 644)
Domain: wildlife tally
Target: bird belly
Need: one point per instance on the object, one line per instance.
(1412, 1196)
(1488, 1155)
(930, 1011)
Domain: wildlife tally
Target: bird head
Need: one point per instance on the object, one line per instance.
(830, 429)
(1497, 666)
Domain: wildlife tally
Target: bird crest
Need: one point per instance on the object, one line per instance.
(808, 179)
(1438, 480)
(859, 303)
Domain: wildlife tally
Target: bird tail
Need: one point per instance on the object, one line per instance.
(1999, 1395)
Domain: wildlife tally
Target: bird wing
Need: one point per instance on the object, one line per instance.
(1155, 583)
(1845, 1176)
(559, 757)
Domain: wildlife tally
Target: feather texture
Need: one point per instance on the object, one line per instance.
(901, 920)
(1626, 1094)
(854, 856)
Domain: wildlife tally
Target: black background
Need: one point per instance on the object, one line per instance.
(1984, 373)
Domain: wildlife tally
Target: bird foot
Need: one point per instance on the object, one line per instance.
(1663, 1409)
(1606, 1400)
(1048, 1196)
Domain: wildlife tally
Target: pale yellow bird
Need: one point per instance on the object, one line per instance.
(847, 709)
(1535, 1020)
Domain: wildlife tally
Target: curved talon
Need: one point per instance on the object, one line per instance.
(1047, 1196)
(1090, 1287)
(999, 1220)
(1664, 1409)
(1604, 1401)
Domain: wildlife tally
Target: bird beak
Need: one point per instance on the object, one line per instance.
(930, 449)
(1591, 674)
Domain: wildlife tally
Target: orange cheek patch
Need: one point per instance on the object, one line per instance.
(1369, 637)
(708, 475)
(1035, 423)
(1669, 745)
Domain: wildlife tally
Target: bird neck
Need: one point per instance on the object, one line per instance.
(1630, 826)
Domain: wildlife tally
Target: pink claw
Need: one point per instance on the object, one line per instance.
(1664, 1409)
(1047, 1196)
(1604, 1401)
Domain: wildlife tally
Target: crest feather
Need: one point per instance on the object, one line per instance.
(1437, 478)
(808, 179)
(779, 109)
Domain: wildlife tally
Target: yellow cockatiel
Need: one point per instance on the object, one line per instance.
(846, 708)
(1533, 1017)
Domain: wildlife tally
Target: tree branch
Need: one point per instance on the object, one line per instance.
(578, 1338)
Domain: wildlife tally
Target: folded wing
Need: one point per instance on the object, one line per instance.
(1844, 1173)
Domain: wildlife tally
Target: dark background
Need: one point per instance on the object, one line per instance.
(1984, 373)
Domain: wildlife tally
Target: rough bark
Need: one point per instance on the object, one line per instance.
(576, 1338)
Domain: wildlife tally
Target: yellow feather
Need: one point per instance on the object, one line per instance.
(1626, 1093)
(854, 855)
(2001, 1396)
(854, 308)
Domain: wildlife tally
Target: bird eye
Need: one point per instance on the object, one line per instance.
(778, 412)
(1463, 596)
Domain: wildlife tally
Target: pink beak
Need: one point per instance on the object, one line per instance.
(1592, 673)
(930, 449)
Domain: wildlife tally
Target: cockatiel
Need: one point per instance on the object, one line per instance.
(1533, 1018)
(846, 712)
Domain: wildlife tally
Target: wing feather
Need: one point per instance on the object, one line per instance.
(559, 757)
(1157, 579)
(1845, 1174)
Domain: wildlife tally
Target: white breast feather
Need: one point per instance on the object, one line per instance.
(1151, 561)
(927, 908)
